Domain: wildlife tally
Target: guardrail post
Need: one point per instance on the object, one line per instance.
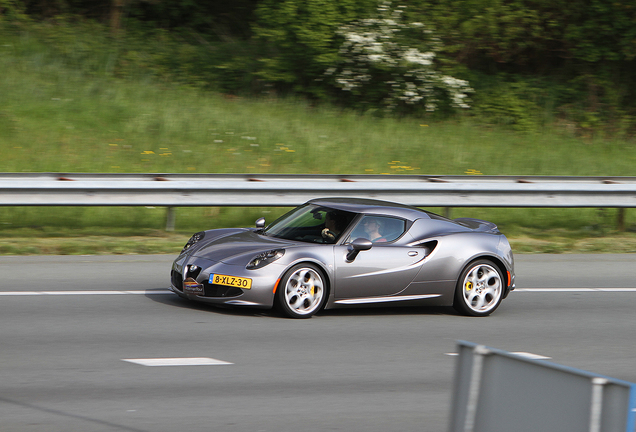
(597, 404)
(170, 219)
(621, 219)
(473, 390)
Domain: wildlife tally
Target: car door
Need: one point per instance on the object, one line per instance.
(385, 269)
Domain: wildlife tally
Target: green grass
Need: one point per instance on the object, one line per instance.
(556, 242)
(77, 115)
(54, 117)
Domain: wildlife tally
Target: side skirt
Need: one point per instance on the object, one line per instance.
(373, 300)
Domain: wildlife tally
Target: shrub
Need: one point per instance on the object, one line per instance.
(12, 10)
(378, 64)
(298, 40)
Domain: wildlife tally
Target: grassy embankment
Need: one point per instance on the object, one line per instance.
(54, 118)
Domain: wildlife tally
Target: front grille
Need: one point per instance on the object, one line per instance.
(177, 279)
(212, 290)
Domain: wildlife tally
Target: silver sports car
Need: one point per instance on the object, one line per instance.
(338, 252)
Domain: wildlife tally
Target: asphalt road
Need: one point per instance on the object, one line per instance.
(62, 364)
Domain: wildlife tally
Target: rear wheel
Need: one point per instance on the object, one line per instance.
(479, 289)
(302, 291)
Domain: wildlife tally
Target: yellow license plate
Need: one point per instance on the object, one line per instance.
(233, 281)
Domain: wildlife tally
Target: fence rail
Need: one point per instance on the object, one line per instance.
(182, 190)
(287, 190)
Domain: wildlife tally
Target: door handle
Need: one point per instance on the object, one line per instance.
(412, 253)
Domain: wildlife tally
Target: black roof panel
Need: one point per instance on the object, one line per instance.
(371, 206)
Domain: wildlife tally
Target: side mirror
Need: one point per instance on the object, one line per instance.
(359, 244)
(260, 223)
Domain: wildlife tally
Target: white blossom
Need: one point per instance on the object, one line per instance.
(371, 48)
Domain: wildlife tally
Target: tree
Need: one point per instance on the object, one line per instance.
(379, 63)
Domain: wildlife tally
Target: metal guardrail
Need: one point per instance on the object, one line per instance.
(288, 190)
(183, 190)
(498, 391)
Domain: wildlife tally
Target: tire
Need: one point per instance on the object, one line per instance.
(480, 289)
(302, 291)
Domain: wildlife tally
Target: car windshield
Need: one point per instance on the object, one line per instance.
(311, 223)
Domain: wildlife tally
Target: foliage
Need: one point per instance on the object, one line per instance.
(508, 105)
(525, 104)
(378, 66)
(529, 61)
(65, 108)
(600, 30)
(12, 10)
(218, 19)
(298, 39)
(535, 34)
(587, 46)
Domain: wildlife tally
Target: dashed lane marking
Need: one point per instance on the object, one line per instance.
(178, 361)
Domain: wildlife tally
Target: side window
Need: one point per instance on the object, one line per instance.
(379, 229)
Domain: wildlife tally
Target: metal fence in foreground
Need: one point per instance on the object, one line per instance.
(497, 391)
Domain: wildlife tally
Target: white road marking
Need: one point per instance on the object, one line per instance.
(166, 291)
(179, 361)
(519, 353)
(44, 293)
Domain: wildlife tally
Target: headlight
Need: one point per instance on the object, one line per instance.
(193, 240)
(262, 259)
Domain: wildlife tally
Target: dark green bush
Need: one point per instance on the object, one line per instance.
(299, 40)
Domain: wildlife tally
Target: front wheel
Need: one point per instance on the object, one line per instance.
(479, 289)
(302, 291)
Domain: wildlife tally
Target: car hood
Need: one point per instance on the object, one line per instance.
(225, 248)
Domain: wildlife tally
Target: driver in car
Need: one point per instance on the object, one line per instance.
(334, 224)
